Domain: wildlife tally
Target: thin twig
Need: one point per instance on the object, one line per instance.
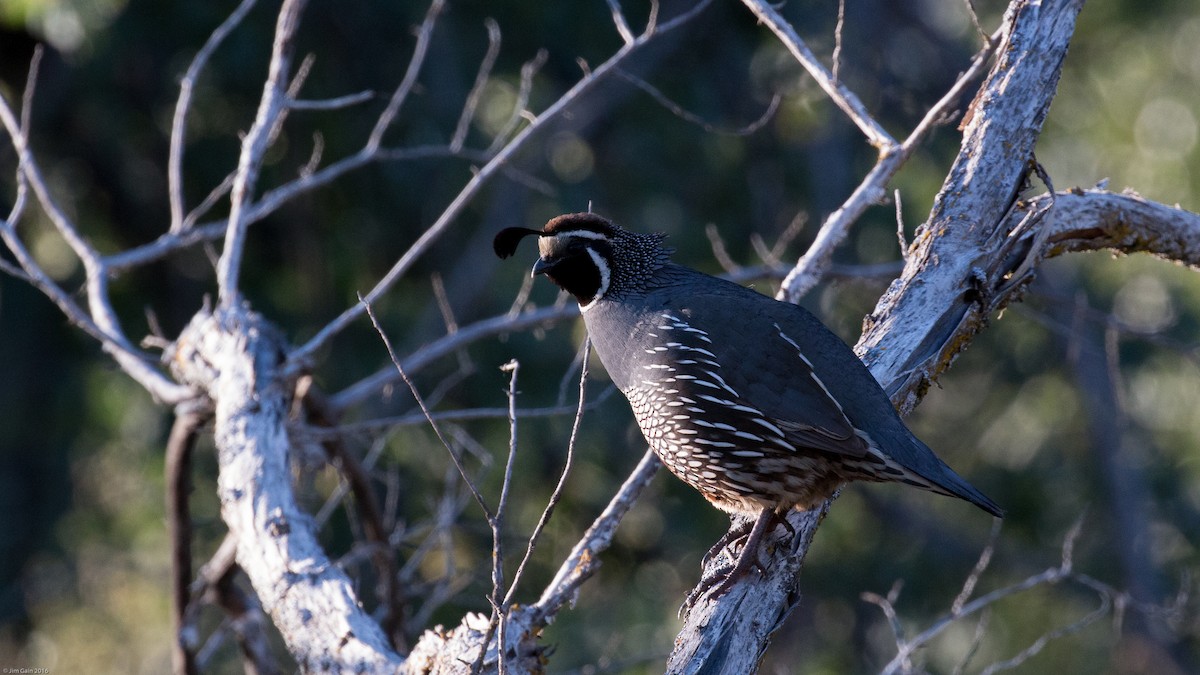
(837, 91)
(520, 105)
(556, 495)
(451, 212)
(314, 158)
(981, 565)
(699, 121)
(254, 147)
(837, 39)
(372, 384)
(183, 106)
(1053, 575)
(970, 4)
(1043, 640)
(13, 270)
(424, 34)
(719, 251)
(619, 21)
(268, 203)
(976, 642)
(900, 224)
(499, 604)
(583, 559)
(437, 430)
(100, 320)
(470, 414)
(481, 80)
(809, 268)
(335, 103)
(215, 195)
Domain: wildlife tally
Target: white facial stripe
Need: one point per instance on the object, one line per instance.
(582, 234)
(605, 277)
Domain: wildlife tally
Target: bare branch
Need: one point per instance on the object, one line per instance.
(837, 39)
(520, 105)
(680, 112)
(720, 252)
(215, 195)
(716, 634)
(183, 106)
(556, 495)
(1063, 571)
(619, 21)
(981, 565)
(838, 92)
(312, 602)
(271, 106)
(100, 321)
(504, 323)
(813, 264)
(481, 79)
(437, 430)
(888, 605)
(179, 530)
(582, 563)
(1043, 640)
(434, 231)
(970, 5)
(500, 606)
(336, 103)
(414, 419)
(424, 34)
(267, 204)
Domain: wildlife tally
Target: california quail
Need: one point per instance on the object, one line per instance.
(750, 400)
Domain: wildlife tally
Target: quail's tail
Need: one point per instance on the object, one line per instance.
(953, 485)
(930, 473)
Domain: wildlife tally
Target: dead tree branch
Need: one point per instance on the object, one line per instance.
(233, 356)
(728, 634)
(179, 530)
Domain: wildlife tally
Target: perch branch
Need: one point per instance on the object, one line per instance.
(730, 633)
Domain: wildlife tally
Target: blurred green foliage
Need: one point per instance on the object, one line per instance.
(83, 553)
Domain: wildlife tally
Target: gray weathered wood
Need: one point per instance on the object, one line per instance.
(730, 634)
(234, 356)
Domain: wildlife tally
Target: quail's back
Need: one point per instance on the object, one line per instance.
(751, 401)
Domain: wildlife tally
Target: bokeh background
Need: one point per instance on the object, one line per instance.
(1079, 402)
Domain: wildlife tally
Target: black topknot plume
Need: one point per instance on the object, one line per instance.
(505, 243)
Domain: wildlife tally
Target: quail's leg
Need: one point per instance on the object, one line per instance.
(736, 533)
(749, 555)
(747, 559)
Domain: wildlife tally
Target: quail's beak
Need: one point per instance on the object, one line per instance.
(542, 266)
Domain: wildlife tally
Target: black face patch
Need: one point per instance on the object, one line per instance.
(576, 273)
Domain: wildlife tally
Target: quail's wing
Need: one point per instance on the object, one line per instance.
(743, 380)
